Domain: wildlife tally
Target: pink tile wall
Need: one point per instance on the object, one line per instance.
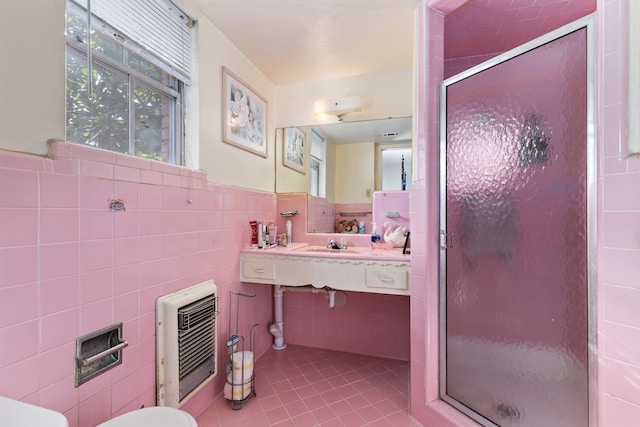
(376, 325)
(483, 27)
(288, 202)
(351, 211)
(70, 266)
(387, 203)
(618, 227)
(618, 230)
(372, 324)
(321, 215)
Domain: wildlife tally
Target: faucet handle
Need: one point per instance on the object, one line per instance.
(332, 244)
(343, 243)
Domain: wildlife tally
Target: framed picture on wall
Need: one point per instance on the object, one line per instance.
(244, 115)
(293, 152)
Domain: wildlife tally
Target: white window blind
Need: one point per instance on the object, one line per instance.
(158, 26)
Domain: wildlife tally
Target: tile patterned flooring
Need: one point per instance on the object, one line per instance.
(308, 387)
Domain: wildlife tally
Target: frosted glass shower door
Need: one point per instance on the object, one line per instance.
(515, 318)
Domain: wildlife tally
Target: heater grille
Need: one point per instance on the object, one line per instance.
(196, 335)
(186, 342)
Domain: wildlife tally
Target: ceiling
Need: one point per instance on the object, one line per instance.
(293, 41)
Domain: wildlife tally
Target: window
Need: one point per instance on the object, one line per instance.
(133, 102)
(318, 168)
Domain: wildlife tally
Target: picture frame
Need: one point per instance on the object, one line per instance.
(293, 150)
(244, 115)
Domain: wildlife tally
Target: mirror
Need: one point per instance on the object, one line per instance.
(359, 158)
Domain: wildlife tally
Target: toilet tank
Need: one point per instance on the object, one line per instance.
(20, 414)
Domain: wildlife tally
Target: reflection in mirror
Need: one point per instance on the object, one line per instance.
(344, 163)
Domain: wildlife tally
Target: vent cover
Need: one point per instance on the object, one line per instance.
(196, 343)
(186, 342)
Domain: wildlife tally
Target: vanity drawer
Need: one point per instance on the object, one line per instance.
(384, 278)
(258, 270)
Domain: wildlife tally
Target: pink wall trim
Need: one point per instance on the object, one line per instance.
(70, 266)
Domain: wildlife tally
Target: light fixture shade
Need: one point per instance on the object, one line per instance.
(338, 106)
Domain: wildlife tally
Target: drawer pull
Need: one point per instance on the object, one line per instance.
(386, 279)
(258, 270)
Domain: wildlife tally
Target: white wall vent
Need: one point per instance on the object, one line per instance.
(186, 335)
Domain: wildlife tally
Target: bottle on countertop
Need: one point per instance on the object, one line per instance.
(267, 239)
(288, 227)
(375, 237)
(361, 227)
(260, 227)
(273, 233)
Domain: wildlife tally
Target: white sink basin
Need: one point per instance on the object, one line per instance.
(313, 248)
(14, 413)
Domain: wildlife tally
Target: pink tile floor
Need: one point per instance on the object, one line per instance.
(305, 387)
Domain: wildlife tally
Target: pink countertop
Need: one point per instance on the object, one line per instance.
(316, 251)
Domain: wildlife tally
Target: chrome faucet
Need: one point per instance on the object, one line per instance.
(333, 244)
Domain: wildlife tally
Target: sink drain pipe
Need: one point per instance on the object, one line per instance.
(277, 328)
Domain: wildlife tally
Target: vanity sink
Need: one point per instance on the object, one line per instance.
(356, 268)
(313, 248)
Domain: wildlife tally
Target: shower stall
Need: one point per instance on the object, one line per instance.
(517, 175)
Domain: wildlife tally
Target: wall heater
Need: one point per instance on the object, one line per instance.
(185, 342)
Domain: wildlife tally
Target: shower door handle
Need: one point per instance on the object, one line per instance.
(446, 239)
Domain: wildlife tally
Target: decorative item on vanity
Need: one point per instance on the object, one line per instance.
(396, 237)
(240, 383)
(348, 226)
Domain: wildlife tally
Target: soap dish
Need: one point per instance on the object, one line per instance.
(382, 245)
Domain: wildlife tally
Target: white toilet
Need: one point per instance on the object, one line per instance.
(153, 416)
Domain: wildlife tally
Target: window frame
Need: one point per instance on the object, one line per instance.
(320, 177)
(174, 88)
